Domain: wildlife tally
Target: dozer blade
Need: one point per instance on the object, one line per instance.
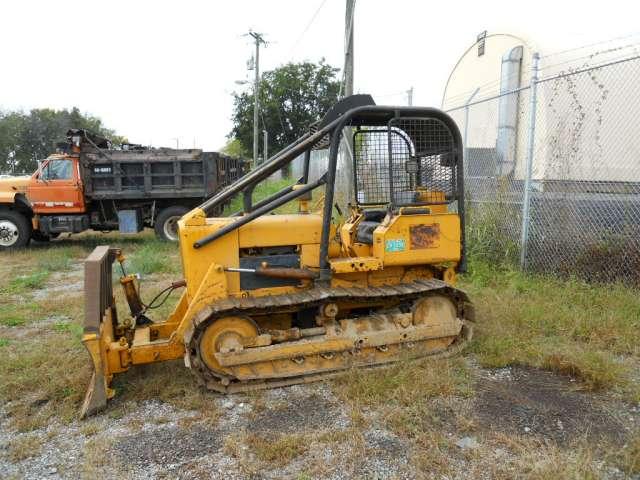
(95, 398)
(99, 320)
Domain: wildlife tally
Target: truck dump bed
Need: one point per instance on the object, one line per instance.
(156, 173)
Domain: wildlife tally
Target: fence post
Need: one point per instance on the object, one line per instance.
(526, 201)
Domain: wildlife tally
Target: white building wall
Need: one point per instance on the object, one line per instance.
(586, 124)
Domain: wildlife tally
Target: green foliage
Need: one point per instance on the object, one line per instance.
(153, 257)
(31, 281)
(488, 231)
(57, 259)
(26, 138)
(234, 148)
(291, 98)
(12, 321)
(69, 327)
(262, 191)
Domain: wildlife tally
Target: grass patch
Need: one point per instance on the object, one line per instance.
(628, 459)
(69, 327)
(16, 314)
(261, 191)
(12, 321)
(280, 450)
(23, 447)
(46, 262)
(24, 283)
(405, 383)
(402, 393)
(97, 456)
(264, 190)
(567, 326)
(168, 382)
(596, 370)
(154, 257)
(57, 259)
(45, 377)
(4, 342)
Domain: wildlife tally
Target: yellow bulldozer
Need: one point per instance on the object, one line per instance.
(273, 300)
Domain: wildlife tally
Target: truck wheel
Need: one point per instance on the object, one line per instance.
(166, 225)
(15, 230)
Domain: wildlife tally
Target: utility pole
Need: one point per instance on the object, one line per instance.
(265, 146)
(256, 94)
(348, 51)
(410, 97)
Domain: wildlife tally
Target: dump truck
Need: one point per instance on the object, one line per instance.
(90, 184)
(273, 299)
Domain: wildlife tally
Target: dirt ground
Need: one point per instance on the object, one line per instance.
(451, 419)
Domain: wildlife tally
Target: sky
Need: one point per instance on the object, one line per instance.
(162, 73)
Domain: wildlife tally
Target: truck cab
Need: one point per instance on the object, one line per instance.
(56, 187)
(30, 206)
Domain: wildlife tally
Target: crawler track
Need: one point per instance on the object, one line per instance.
(314, 297)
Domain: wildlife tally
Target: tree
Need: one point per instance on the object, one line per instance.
(291, 98)
(26, 138)
(234, 148)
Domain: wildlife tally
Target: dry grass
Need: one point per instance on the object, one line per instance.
(97, 456)
(23, 447)
(279, 450)
(405, 383)
(402, 392)
(90, 428)
(568, 326)
(44, 369)
(628, 458)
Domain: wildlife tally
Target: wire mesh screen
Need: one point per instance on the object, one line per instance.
(584, 196)
(371, 155)
(412, 161)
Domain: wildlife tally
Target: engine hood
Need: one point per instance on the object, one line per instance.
(14, 184)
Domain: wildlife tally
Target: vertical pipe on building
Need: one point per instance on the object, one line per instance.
(465, 158)
(526, 200)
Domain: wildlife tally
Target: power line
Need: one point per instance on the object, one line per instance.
(560, 52)
(313, 18)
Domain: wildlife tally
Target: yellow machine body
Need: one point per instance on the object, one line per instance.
(255, 312)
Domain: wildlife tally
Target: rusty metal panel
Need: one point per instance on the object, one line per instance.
(424, 236)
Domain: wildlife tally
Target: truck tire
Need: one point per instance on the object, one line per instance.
(166, 225)
(15, 230)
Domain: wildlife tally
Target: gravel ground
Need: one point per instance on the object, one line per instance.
(157, 440)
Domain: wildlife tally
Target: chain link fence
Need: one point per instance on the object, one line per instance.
(553, 172)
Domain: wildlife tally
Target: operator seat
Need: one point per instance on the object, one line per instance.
(372, 218)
